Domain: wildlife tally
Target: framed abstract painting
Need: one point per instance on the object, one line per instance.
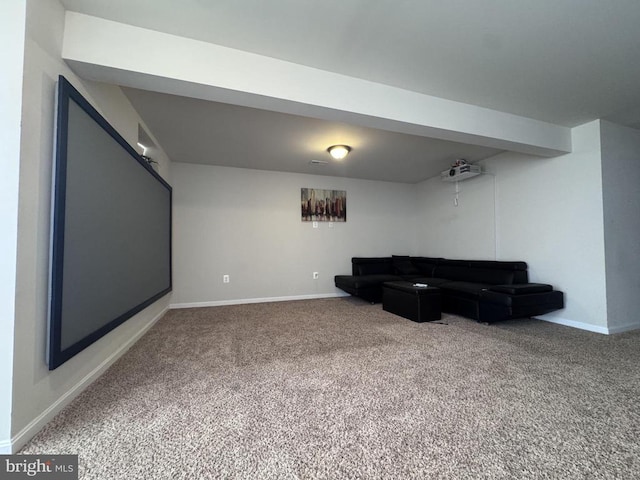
(320, 205)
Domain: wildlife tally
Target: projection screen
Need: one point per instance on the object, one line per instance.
(111, 235)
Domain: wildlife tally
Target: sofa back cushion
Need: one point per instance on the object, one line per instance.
(452, 272)
(490, 275)
(425, 264)
(371, 266)
(518, 269)
(478, 271)
(481, 271)
(402, 265)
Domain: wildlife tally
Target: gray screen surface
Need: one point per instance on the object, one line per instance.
(116, 233)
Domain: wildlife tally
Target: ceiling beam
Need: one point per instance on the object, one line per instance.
(113, 52)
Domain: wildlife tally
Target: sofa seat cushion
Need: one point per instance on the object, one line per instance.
(431, 281)
(410, 278)
(364, 281)
(525, 300)
(468, 290)
(522, 289)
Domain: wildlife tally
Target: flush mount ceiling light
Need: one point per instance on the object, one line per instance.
(339, 151)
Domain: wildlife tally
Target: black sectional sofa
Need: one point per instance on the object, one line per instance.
(483, 290)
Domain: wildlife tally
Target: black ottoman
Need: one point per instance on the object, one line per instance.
(420, 304)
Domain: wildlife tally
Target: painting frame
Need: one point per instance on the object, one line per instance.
(323, 205)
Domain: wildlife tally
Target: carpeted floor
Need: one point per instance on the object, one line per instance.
(339, 388)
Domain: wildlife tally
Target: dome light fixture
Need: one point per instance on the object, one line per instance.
(339, 151)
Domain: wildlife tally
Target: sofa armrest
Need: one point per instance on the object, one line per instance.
(521, 288)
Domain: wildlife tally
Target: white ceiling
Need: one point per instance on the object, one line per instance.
(562, 61)
(196, 131)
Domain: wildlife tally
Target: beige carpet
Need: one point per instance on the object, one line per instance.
(339, 388)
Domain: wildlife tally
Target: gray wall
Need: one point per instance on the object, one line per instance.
(247, 224)
(621, 194)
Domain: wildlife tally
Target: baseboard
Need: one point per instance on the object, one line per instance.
(28, 432)
(580, 325)
(624, 328)
(242, 301)
(5, 447)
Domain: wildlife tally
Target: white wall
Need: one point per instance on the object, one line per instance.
(246, 223)
(104, 49)
(549, 214)
(12, 31)
(621, 187)
(38, 393)
(462, 231)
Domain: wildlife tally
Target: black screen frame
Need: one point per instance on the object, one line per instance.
(56, 355)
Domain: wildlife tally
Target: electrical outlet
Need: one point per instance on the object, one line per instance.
(225, 279)
(315, 275)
